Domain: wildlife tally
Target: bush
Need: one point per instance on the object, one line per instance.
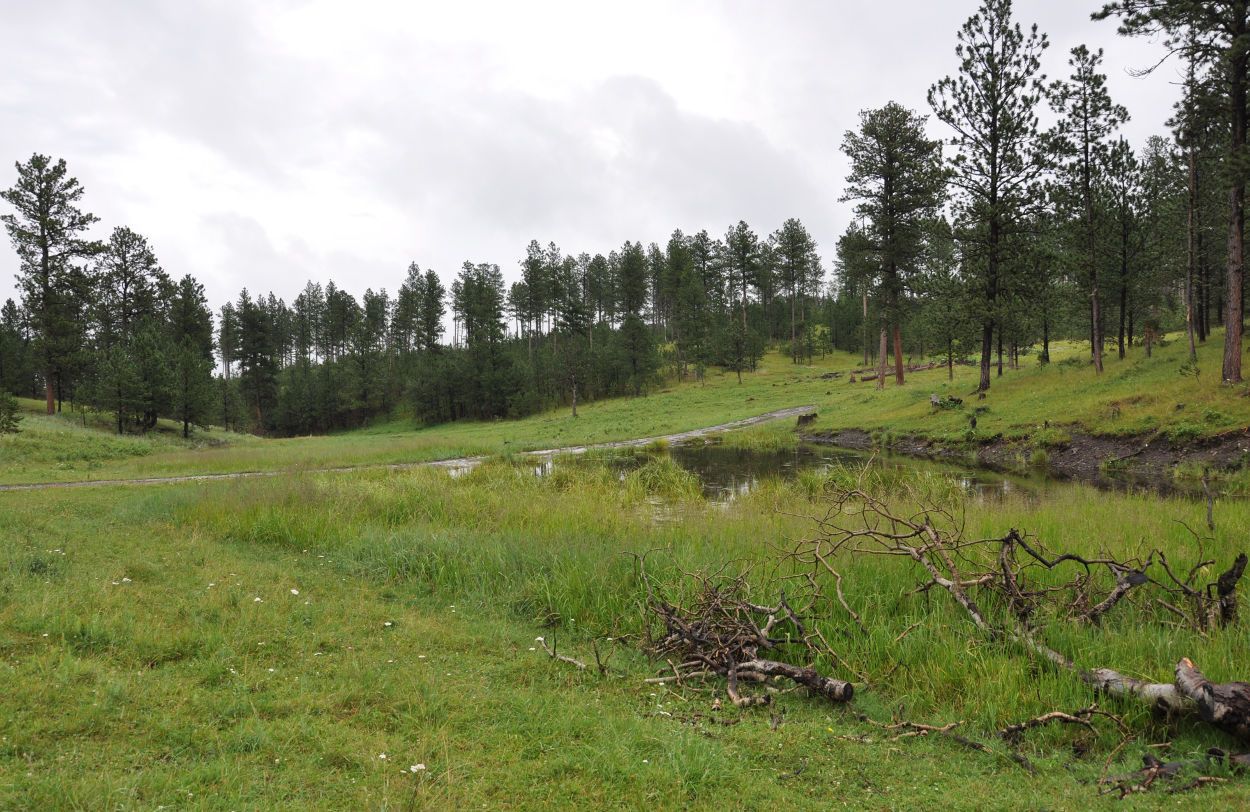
(1183, 433)
(1072, 362)
(9, 417)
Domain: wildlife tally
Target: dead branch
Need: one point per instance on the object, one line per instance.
(578, 664)
(1013, 733)
(1155, 771)
(858, 523)
(907, 631)
(835, 690)
(1226, 591)
(842, 598)
(731, 688)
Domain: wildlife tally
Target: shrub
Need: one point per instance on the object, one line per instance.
(1183, 433)
(9, 417)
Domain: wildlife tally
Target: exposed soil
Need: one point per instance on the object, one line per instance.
(1145, 459)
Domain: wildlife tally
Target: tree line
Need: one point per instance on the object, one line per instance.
(572, 328)
(983, 243)
(1008, 233)
(101, 324)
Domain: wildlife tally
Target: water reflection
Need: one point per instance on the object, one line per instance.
(728, 473)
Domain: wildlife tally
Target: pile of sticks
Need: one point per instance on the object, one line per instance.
(721, 633)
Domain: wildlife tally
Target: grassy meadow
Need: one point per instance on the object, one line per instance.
(366, 640)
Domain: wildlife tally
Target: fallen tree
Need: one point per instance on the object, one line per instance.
(858, 523)
(710, 631)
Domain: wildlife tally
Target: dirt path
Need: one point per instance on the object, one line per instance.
(459, 463)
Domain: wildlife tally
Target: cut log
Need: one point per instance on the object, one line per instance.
(1161, 696)
(835, 690)
(1226, 706)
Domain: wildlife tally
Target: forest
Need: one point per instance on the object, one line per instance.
(981, 234)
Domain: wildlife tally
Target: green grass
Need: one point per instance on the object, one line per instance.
(1134, 396)
(141, 671)
(767, 437)
(80, 445)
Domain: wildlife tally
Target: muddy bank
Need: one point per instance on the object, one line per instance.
(1148, 460)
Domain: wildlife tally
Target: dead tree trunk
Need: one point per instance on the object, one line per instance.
(1224, 706)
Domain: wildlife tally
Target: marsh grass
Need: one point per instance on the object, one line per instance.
(419, 596)
(768, 437)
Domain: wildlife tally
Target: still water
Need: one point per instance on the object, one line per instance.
(727, 473)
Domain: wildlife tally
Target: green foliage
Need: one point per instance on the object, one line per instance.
(1184, 433)
(990, 105)
(10, 418)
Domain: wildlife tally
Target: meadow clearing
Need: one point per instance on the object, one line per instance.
(367, 639)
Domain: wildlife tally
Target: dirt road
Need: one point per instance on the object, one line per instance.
(459, 463)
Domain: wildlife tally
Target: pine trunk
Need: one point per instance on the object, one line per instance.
(898, 355)
(883, 351)
(1237, 200)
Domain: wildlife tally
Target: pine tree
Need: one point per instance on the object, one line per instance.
(1216, 34)
(798, 272)
(10, 417)
(898, 180)
(191, 349)
(1083, 136)
(258, 368)
(991, 105)
(1124, 204)
(16, 373)
(741, 263)
(431, 310)
(47, 233)
(129, 281)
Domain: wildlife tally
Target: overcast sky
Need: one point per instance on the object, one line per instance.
(262, 143)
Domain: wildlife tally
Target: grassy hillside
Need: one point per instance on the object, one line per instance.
(308, 641)
(1137, 395)
(79, 445)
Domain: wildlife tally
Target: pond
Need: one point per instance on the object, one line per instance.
(727, 473)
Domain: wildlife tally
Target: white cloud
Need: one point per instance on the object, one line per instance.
(261, 144)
